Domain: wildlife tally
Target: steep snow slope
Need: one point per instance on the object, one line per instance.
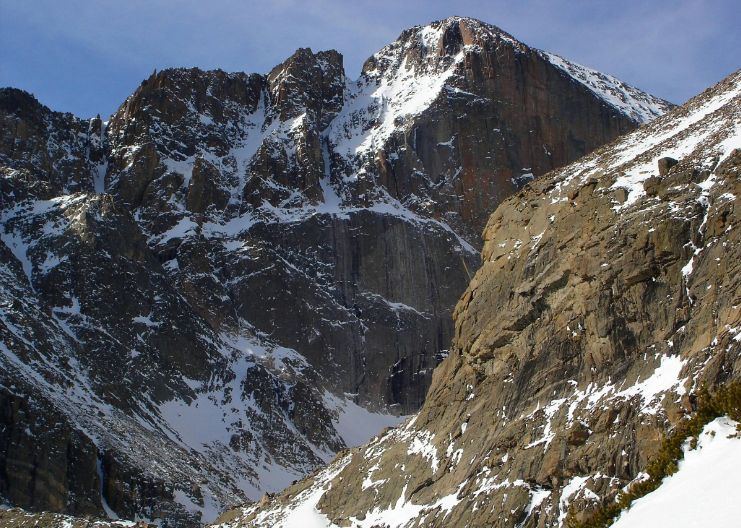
(608, 293)
(698, 494)
(640, 106)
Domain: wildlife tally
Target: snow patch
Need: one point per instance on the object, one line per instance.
(422, 445)
(700, 492)
(356, 424)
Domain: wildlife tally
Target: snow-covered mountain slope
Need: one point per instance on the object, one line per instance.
(207, 296)
(608, 295)
(637, 104)
(96, 338)
(698, 494)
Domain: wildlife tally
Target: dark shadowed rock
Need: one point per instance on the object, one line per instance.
(665, 164)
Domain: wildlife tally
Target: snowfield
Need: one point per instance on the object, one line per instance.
(705, 490)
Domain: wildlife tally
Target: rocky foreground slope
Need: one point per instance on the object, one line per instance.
(196, 295)
(609, 293)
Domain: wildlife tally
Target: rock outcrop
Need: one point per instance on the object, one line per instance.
(236, 276)
(607, 296)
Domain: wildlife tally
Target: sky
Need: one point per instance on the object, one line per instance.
(86, 57)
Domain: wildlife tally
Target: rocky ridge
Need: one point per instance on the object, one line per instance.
(608, 295)
(198, 293)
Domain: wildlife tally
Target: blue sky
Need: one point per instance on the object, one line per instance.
(86, 57)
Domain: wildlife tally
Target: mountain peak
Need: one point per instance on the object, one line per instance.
(14, 97)
(455, 32)
(469, 25)
(308, 81)
(281, 248)
(447, 37)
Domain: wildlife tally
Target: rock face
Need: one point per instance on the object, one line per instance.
(203, 296)
(17, 518)
(412, 157)
(608, 294)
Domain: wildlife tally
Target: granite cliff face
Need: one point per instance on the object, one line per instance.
(607, 296)
(238, 181)
(203, 296)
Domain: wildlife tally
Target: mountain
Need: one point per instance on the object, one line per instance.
(236, 276)
(605, 317)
